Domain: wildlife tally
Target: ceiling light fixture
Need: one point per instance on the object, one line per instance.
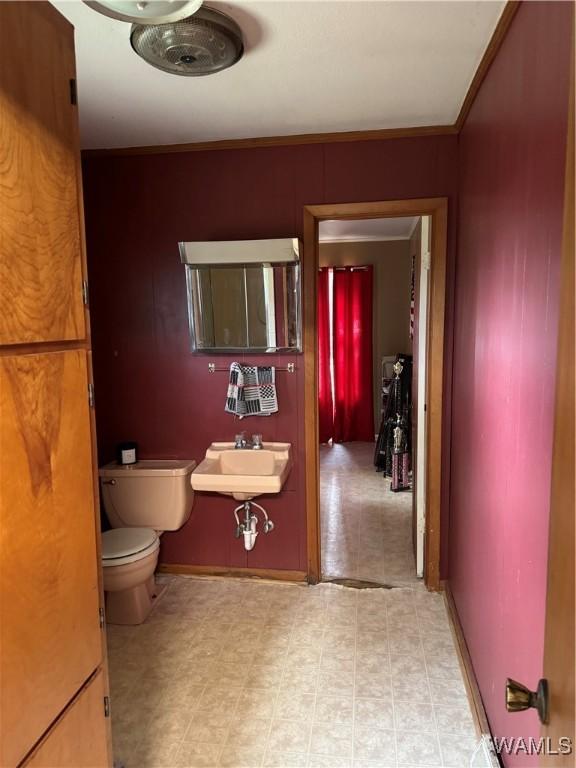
(203, 44)
(153, 12)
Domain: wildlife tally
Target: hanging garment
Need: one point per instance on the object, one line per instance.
(399, 404)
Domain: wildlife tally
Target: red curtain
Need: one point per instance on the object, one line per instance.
(352, 342)
(325, 401)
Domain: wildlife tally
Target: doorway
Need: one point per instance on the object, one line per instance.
(367, 315)
(435, 211)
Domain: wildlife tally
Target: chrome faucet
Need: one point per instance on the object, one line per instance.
(242, 442)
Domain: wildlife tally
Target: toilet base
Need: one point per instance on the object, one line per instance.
(130, 589)
(131, 606)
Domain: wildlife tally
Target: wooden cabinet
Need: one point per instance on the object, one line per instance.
(52, 650)
(50, 632)
(40, 234)
(78, 738)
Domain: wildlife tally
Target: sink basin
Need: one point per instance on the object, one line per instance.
(243, 472)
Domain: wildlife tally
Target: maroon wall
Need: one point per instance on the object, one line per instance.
(148, 386)
(509, 241)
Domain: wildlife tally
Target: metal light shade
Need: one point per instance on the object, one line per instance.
(153, 12)
(202, 44)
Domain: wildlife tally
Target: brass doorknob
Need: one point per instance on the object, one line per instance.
(520, 698)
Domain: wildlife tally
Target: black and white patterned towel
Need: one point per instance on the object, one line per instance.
(251, 390)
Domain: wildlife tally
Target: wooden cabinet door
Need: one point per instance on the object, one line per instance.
(50, 637)
(40, 247)
(78, 739)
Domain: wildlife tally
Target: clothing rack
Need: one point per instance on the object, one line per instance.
(290, 368)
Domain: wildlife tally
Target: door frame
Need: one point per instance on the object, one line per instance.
(421, 287)
(437, 209)
(560, 632)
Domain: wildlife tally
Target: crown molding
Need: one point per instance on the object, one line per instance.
(277, 141)
(498, 36)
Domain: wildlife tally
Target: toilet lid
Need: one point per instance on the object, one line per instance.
(123, 542)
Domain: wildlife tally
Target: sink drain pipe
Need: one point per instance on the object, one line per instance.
(248, 528)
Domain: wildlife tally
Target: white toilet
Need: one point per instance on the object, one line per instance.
(141, 501)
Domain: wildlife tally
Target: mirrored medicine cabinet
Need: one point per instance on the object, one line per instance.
(243, 296)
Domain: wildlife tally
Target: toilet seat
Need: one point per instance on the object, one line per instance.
(121, 546)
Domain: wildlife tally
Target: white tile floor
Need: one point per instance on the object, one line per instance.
(236, 673)
(366, 528)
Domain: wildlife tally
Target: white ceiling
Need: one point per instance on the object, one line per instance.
(309, 67)
(363, 230)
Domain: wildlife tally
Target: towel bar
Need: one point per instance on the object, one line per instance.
(290, 368)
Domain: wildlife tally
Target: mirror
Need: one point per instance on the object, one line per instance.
(244, 307)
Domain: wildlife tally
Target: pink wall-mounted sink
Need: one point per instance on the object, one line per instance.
(243, 472)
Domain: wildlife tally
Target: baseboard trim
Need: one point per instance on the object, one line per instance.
(261, 574)
(472, 689)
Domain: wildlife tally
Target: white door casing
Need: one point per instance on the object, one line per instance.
(421, 434)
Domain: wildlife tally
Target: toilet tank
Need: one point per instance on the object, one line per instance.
(151, 494)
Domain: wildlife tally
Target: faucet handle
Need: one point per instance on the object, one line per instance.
(240, 440)
(257, 441)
